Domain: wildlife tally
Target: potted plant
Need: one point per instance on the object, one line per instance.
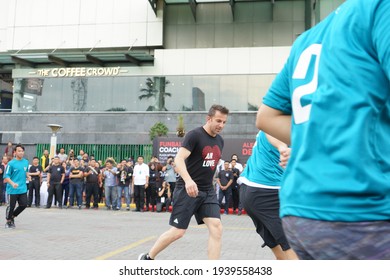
(158, 129)
(180, 131)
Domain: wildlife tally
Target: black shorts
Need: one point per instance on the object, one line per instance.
(262, 205)
(205, 205)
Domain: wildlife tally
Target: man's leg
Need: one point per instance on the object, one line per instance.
(30, 193)
(107, 195)
(95, 192)
(165, 240)
(22, 204)
(37, 187)
(11, 207)
(58, 189)
(215, 237)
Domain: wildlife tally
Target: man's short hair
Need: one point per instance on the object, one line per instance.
(19, 146)
(214, 108)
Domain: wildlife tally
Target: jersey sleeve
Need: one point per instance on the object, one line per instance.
(381, 34)
(278, 95)
(8, 171)
(189, 141)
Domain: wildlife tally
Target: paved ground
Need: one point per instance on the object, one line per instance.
(73, 234)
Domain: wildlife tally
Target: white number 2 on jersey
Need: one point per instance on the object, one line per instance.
(302, 113)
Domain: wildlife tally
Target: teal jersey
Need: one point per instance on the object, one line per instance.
(335, 84)
(262, 168)
(17, 171)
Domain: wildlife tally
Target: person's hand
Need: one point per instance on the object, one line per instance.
(192, 188)
(15, 185)
(284, 156)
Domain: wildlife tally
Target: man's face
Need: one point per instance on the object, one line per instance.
(46, 152)
(92, 163)
(56, 161)
(19, 152)
(76, 163)
(35, 161)
(140, 160)
(217, 122)
(62, 151)
(226, 164)
(5, 160)
(108, 165)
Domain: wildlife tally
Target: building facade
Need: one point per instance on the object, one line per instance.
(108, 70)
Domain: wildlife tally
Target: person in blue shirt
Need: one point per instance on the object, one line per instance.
(15, 177)
(259, 192)
(331, 101)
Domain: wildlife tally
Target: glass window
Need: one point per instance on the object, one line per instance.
(171, 93)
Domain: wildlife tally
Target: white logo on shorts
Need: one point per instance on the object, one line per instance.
(176, 221)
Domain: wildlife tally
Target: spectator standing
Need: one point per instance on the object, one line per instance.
(151, 191)
(92, 181)
(124, 177)
(9, 151)
(225, 180)
(63, 157)
(65, 183)
(76, 180)
(236, 203)
(170, 174)
(110, 190)
(45, 160)
(34, 187)
(55, 178)
(140, 182)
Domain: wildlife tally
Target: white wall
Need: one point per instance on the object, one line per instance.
(51, 24)
(222, 61)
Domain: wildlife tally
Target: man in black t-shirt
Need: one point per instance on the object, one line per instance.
(34, 186)
(76, 180)
(55, 177)
(93, 179)
(194, 194)
(225, 179)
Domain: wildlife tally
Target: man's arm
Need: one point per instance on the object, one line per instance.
(191, 187)
(274, 123)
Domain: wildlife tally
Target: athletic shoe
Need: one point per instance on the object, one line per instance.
(10, 224)
(127, 208)
(144, 257)
(80, 207)
(239, 213)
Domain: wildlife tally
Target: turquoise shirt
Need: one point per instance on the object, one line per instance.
(335, 85)
(17, 171)
(262, 168)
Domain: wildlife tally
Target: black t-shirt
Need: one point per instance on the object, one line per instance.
(93, 177)
(35, 169)
(76, 171)
(56, 172)
(225, 176)
(153, 175)
(124, 176)
(205, 154)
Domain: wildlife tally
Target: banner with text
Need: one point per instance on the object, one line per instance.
(163, 147)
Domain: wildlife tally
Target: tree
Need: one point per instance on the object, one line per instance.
(158, 129)
(156, 88)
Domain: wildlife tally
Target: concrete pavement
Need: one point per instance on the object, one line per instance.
(73, 234)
